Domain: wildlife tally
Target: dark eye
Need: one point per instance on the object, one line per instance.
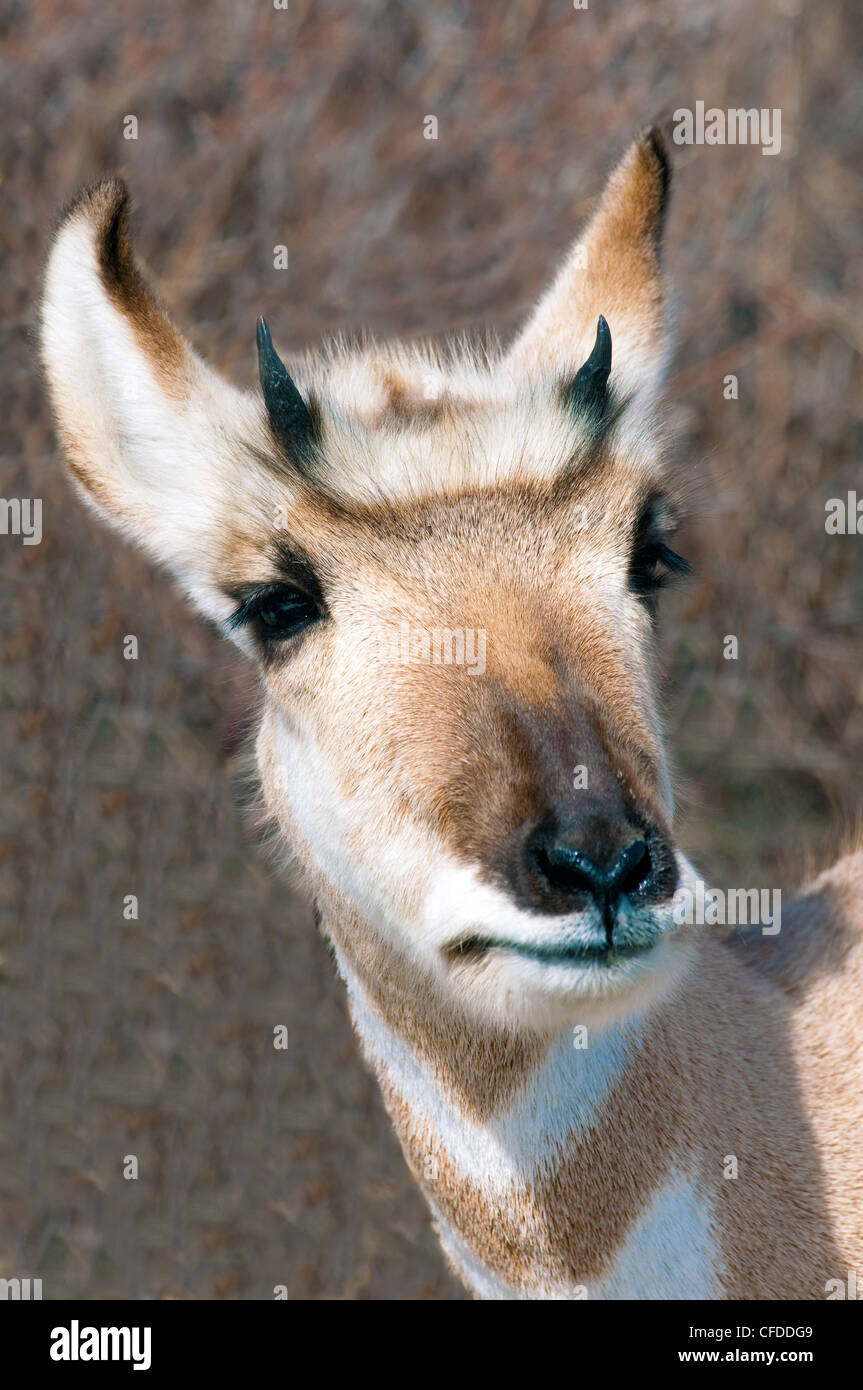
(653, 565)
(276, 612)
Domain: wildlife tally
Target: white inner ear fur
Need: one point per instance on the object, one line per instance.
(164, 466)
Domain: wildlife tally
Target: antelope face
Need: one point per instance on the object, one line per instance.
(461, 727)
(447, 571)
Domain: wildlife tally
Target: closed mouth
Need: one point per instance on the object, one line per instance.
(476, 948)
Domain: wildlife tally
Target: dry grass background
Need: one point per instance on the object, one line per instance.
(259, 127)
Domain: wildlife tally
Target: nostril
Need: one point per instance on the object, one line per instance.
(632, 870)
(569, 869)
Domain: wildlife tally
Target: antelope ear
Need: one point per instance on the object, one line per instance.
(160, 445)
(613, 270)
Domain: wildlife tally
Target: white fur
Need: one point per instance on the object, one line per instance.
(672, 1244)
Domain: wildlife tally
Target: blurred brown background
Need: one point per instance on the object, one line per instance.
(257, 127)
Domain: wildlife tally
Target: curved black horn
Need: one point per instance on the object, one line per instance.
(588, 392)
(289, 415)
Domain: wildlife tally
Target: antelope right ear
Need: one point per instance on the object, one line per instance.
(158, 443)
(612, 273)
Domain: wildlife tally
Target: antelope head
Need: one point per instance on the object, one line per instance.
(445, 565)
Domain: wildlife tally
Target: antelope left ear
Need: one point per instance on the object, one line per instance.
(157, 442)
(613, 271)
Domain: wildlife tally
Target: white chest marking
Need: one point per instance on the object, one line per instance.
(668, 1254)
(559, 1101)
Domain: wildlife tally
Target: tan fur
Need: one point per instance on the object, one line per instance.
(612, 270)
(458, 490)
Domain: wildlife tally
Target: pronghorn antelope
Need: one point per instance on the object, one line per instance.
(595, 1101)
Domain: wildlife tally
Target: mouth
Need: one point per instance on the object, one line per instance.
(473, 949)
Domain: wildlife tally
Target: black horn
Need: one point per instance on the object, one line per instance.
(588, 392)
(290, 419)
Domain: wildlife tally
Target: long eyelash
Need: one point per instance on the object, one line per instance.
(670, 558)
(650, 550)
(646, 580)
(251, 605)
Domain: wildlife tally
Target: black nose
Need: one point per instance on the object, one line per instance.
(572, 871)
(601, 862)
